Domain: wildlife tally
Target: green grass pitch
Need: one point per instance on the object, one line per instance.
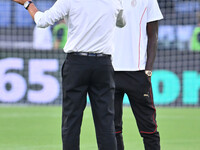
(39, 128)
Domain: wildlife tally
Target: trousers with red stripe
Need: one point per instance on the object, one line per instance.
(139, 91)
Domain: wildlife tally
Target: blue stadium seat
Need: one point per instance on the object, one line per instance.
(22, 17)
(5, 13)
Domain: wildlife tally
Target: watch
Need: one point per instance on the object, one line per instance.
(148, 73)
(27, 3)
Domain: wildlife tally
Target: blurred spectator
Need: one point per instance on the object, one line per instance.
(183, 36)
(195, 42)
(42, 38)
(166, 37)
(60, 35)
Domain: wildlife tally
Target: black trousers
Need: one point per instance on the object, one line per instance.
(139, 91)
(92, 75)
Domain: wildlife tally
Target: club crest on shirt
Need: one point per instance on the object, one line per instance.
(133, 3)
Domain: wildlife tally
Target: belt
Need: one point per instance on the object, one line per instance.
(89, 54)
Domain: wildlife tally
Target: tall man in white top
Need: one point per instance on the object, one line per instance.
(88, 67)
(133, 58)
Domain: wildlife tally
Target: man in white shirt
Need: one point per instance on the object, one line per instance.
(133, 58)
(88, 67)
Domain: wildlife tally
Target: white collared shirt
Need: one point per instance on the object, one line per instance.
(91, 23)
(130, 52)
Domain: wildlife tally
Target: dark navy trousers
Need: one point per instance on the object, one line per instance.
(92, 75)
(139, 91)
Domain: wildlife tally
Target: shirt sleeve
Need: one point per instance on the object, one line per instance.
(57, 12)
(153, 11)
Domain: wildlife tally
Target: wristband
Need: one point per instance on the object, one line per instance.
(27, 3)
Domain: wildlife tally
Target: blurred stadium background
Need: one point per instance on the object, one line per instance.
(31, 77)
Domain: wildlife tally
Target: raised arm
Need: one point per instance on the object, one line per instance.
(32, 9)
(43, 19)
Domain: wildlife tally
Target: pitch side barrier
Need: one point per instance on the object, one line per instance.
(33, 77)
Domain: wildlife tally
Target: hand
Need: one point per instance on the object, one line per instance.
(20, 1)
